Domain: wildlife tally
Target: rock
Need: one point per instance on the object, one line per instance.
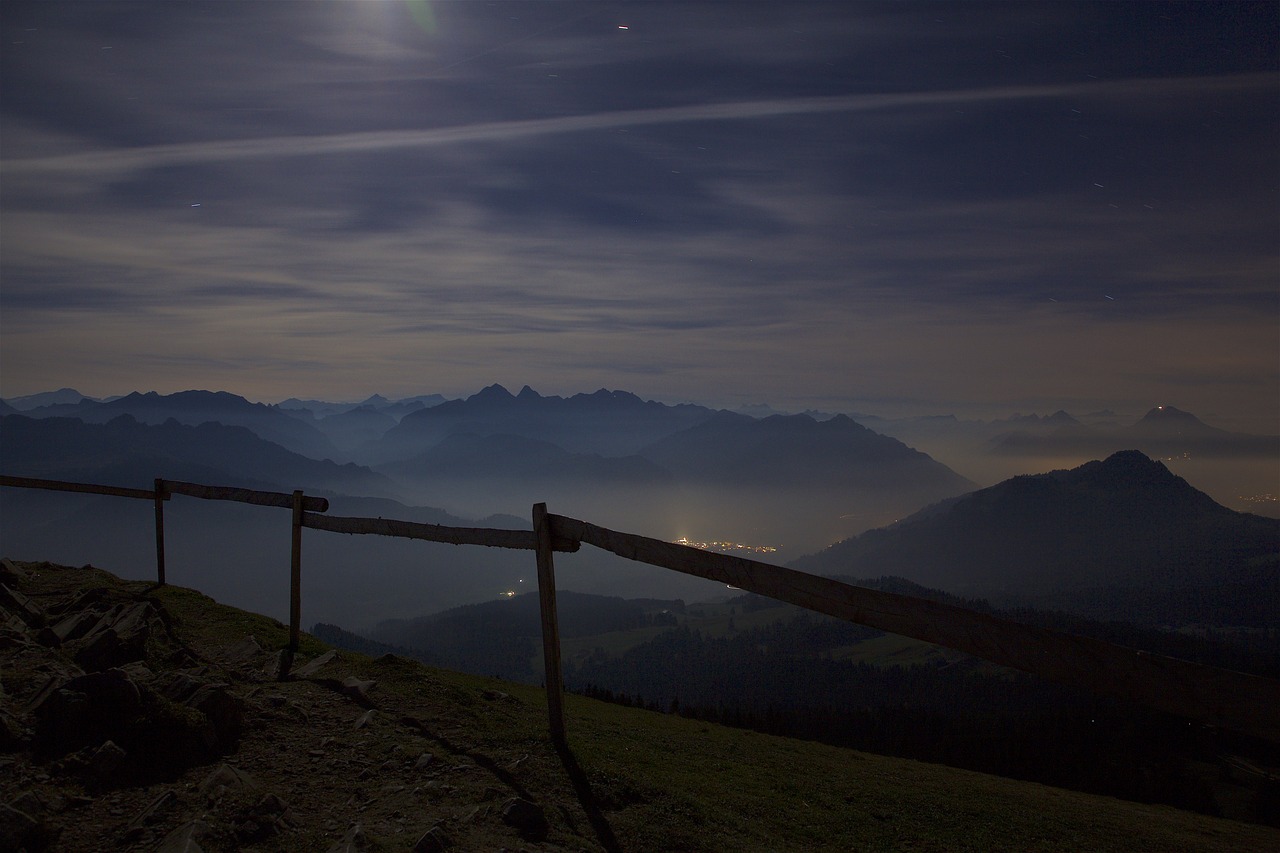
(365, 719)
(223, 710)
(119, 636)
(104, 651)
(30, 803)
(226, 778)
(23, 607)
(353, 842)
(271, 806)
(313, 666)
(138, 672)
(424, 761)
(13, 631)
(267, 818)
(526, 818)
(247, 650)
(494, 695)
(20, 831)
(47, 638)
(184, 838)
(12, 737)
(357, 689)
(75, 626)
(11, 571)
(277, 668)
(83, 600)
(105, 761)
(156, 809)
(86, 710)
(432, 841)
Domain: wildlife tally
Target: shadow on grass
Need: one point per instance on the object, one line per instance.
(587, 799)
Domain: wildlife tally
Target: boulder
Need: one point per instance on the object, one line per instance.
(185, 839)
(85, 711)
(526, 818)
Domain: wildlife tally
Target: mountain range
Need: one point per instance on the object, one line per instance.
(126, 452)
(1096, 538)
(199, 407)
(609, 423)
(1164, 431)
(673, 470)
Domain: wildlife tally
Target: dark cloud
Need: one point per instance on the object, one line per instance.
(785, 202)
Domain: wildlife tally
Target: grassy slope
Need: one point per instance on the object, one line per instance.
(665, 783)
(714, 619)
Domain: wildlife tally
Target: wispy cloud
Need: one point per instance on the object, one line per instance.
(113, 162)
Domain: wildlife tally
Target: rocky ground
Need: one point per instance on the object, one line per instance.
(141, 718)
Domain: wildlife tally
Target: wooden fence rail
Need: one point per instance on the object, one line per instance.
(491, 537)
(86, 488)
(1233, 700)
(248, 496)
(1220, 697)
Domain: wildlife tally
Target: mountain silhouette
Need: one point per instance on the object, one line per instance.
(1117, 538)
(731, 449)
(125, 452)
(61, 397)
(1164, 431)
(356, 427)
(198, 407)
(515, 457)
(610, 423)
(1168, 422)
(319, 409)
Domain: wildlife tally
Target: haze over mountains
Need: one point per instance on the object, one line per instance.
(794, 482)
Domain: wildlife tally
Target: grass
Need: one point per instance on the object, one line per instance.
(698, 786)
(664, 782)
(648, 781)
(715, 620)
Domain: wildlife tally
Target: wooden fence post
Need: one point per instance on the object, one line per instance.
(295, 574)
(160, 531)
(550, 622)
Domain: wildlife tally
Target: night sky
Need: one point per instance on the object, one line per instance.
(898, 209)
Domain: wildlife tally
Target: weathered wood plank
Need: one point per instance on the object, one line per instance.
(550, 623)
(295, 574)
(1233, 700)
(160, 497)
(87, 488)
(249, 496)
(491, 537)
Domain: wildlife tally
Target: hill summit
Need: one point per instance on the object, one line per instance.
(1121, 537)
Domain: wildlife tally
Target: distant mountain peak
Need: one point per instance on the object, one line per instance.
(1174, 423)
(1120, 537)
(1168, 414)
(63, 396)
(527, 393)
(1128, 466)
(492, 392)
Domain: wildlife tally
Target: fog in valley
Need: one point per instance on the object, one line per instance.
(773, 489)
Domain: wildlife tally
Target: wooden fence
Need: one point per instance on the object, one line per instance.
(1219, 697)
